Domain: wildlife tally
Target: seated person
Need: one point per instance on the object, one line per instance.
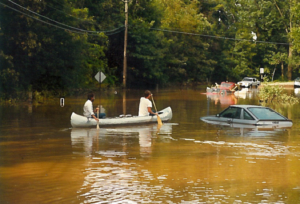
(88, 108)
(146, 105)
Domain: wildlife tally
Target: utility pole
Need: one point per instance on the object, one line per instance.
(125, 45)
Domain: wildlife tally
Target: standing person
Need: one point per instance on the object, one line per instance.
(146, 105)
(88, 108)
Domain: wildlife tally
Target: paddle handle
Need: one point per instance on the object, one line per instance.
(98, 118)
(159, 122)
(154, 103)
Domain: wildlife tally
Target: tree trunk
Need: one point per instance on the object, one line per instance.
(290, 67)
(282, 72)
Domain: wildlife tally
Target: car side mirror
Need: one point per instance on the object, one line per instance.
(218, 115)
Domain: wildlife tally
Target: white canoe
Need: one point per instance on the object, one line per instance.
(82, 121)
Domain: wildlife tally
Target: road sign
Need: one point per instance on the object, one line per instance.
(100, 77)
(262, 70)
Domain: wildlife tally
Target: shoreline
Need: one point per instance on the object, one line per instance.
(283, 84)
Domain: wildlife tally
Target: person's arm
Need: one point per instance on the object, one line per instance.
(150, 111)
(95, 117)
(90, 109)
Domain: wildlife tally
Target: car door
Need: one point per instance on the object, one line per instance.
(255, 82)
(243, 117)
(229, 115)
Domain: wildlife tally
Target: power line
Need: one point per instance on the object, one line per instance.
(82, 30)
(119, 29)
(65, 13)
(112, 32)
(220, 37)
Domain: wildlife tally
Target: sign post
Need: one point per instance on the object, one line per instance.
(100, 78)
(261, 71)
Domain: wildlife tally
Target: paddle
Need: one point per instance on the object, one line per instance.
(158, 118)
(98, 118)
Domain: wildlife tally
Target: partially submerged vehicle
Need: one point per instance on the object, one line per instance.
(224, 88)
(249, 115)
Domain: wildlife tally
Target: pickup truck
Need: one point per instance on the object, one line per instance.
(248, 82)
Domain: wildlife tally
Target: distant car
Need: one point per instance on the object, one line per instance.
(248, 82)
(249, 115)
(297, 82)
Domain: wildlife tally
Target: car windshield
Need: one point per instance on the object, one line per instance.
(266, 114)
(247, 79)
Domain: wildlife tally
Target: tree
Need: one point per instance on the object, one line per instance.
(278, 58)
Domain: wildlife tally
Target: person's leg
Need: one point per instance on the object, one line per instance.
(101, 115)
(152, 114)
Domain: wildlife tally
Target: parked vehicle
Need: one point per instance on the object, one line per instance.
(297, 82)
(248, 82)
(249, 115)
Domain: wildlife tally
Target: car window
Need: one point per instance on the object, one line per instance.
(231, 112)
(238, 113)
(266, 114)
(247, 79)
(247, 116)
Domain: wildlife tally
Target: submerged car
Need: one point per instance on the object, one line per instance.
(224, 88)
(249, 82)
(249, 115)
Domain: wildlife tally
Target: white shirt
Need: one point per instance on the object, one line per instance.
(88, 109)
(143, 108)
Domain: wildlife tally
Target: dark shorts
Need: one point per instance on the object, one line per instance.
(101, 115)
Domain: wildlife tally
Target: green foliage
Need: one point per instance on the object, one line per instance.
(274, 94)
(174, 41)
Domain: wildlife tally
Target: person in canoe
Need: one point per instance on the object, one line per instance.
(88, 110)
(146, 105)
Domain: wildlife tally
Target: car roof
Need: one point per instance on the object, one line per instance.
(247, 106)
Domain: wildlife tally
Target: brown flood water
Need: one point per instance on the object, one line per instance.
(45, 160)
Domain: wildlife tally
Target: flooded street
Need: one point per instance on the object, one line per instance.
(45, 160)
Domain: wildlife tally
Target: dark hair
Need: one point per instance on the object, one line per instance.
(90, 96)
(147, 93)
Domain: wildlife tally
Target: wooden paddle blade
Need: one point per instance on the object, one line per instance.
(158, 128)
(159, 121)
(97, 124)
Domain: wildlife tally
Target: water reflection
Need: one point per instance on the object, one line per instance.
(85, 137)
(113, 175)
(223, 99)
(246, 93)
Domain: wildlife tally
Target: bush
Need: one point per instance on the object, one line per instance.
(270, 94)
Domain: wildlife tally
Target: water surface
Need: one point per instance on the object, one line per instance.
(45, 160)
